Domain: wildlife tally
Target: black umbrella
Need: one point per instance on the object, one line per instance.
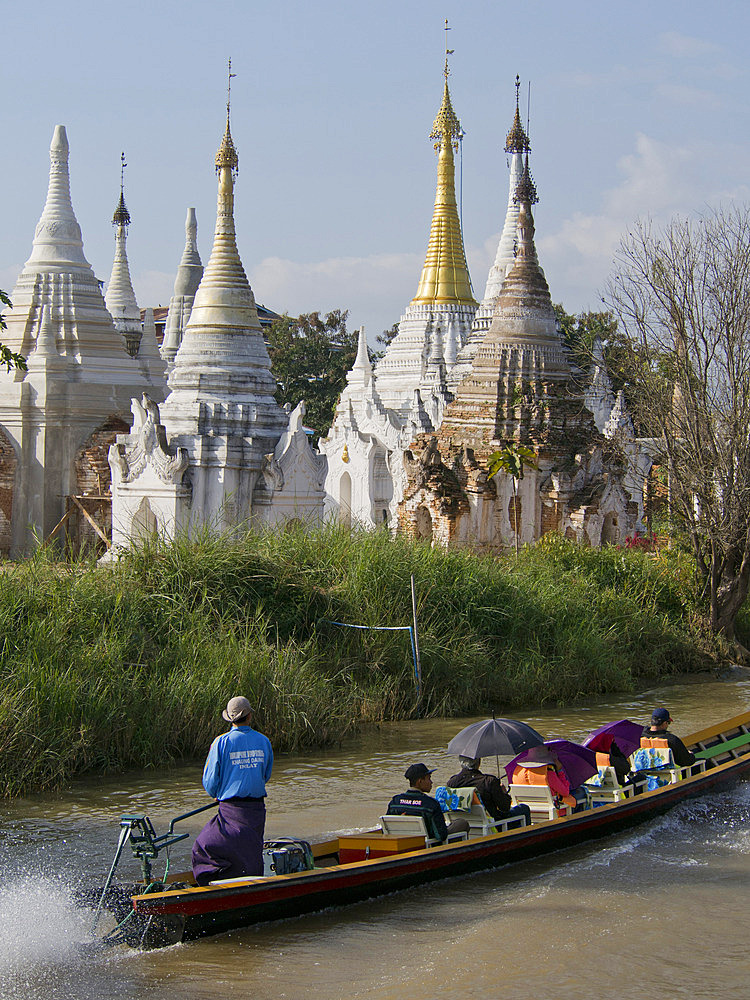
(495, 738)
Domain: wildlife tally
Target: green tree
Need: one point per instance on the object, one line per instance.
(512, 459)
(682, 296)
(310, 356)
(8, 357)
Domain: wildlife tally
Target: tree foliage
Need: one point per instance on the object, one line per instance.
(310, 356)
(512, 459)
(682, 297)
(7, 357)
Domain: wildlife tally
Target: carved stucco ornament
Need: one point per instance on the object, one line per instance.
(148, 446)
(272, 473)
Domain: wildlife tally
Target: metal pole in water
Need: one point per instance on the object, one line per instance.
(124, 834)
(418, 662)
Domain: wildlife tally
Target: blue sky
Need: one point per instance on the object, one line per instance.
(637, 109)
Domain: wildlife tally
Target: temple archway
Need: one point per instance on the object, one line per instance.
(145, 525)
(610, 529)
(8, 466)
(423, 524)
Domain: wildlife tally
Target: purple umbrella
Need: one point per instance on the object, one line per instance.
(626, 734)
(578, 762)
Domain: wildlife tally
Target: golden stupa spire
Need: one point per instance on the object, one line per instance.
(226, 155)
(445, 275)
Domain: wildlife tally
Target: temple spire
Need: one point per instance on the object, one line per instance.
(517, 141)
(189, 274)
(222, 359)
(57, 239)
(120, 297)
(516, 146)
(445, 275)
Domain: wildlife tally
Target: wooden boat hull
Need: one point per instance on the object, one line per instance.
(183, 914)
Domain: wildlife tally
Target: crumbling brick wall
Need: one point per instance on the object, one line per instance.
(93, 478)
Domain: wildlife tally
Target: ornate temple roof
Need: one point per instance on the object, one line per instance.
(122, 215)
(517, 141)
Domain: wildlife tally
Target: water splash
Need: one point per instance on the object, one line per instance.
(41, 926)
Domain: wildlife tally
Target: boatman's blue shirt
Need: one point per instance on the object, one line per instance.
(238, 764)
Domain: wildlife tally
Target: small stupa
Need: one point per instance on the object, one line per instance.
(120, 297)
(189, 274)
(517, 144)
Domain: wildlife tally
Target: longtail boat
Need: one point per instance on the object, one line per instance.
(154, 914)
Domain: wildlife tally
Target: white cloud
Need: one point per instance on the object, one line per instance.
(686, 46)
(659, 181)
(691, 97)
(375, 289)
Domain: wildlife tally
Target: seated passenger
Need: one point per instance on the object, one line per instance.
(660, 720)
(615, 758)
(546, 771)
(418, 802)
(495, 797)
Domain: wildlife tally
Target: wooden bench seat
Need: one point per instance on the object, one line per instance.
(480, 822)
(413, 826)
(540, 801)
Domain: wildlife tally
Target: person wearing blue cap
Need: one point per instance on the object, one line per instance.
(418, 802)
(660, 720)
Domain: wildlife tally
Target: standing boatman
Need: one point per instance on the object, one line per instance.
(237, 768)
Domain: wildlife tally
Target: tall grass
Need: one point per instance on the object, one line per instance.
(129, 666)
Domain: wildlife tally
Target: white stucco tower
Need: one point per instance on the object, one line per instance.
(222, 451)
(120, 297)
(58, 419)
(516, 146)
(189, 274)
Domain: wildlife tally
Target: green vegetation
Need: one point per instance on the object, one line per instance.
(130, 666)
(310, 356)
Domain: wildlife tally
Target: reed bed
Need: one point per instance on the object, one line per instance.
(129, 665)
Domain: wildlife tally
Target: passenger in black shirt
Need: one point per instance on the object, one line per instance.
(418, 802)
(495, 797)
(658, 731)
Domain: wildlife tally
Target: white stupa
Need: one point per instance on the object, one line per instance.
(189, 274)
(221, 452)
(56, 418)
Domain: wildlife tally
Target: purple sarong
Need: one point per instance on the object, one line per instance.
(230, 845)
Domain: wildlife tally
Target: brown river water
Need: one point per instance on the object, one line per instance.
(661, 911)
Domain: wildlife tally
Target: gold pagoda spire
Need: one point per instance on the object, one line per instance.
(226, 155)
(445, 275)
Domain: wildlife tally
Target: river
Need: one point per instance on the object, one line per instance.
(659, 911)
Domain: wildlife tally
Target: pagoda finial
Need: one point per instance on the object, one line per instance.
(446, 126)
(517, 140)
(448, 52)
(227, 154)
(122, 215)
(526, 190)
